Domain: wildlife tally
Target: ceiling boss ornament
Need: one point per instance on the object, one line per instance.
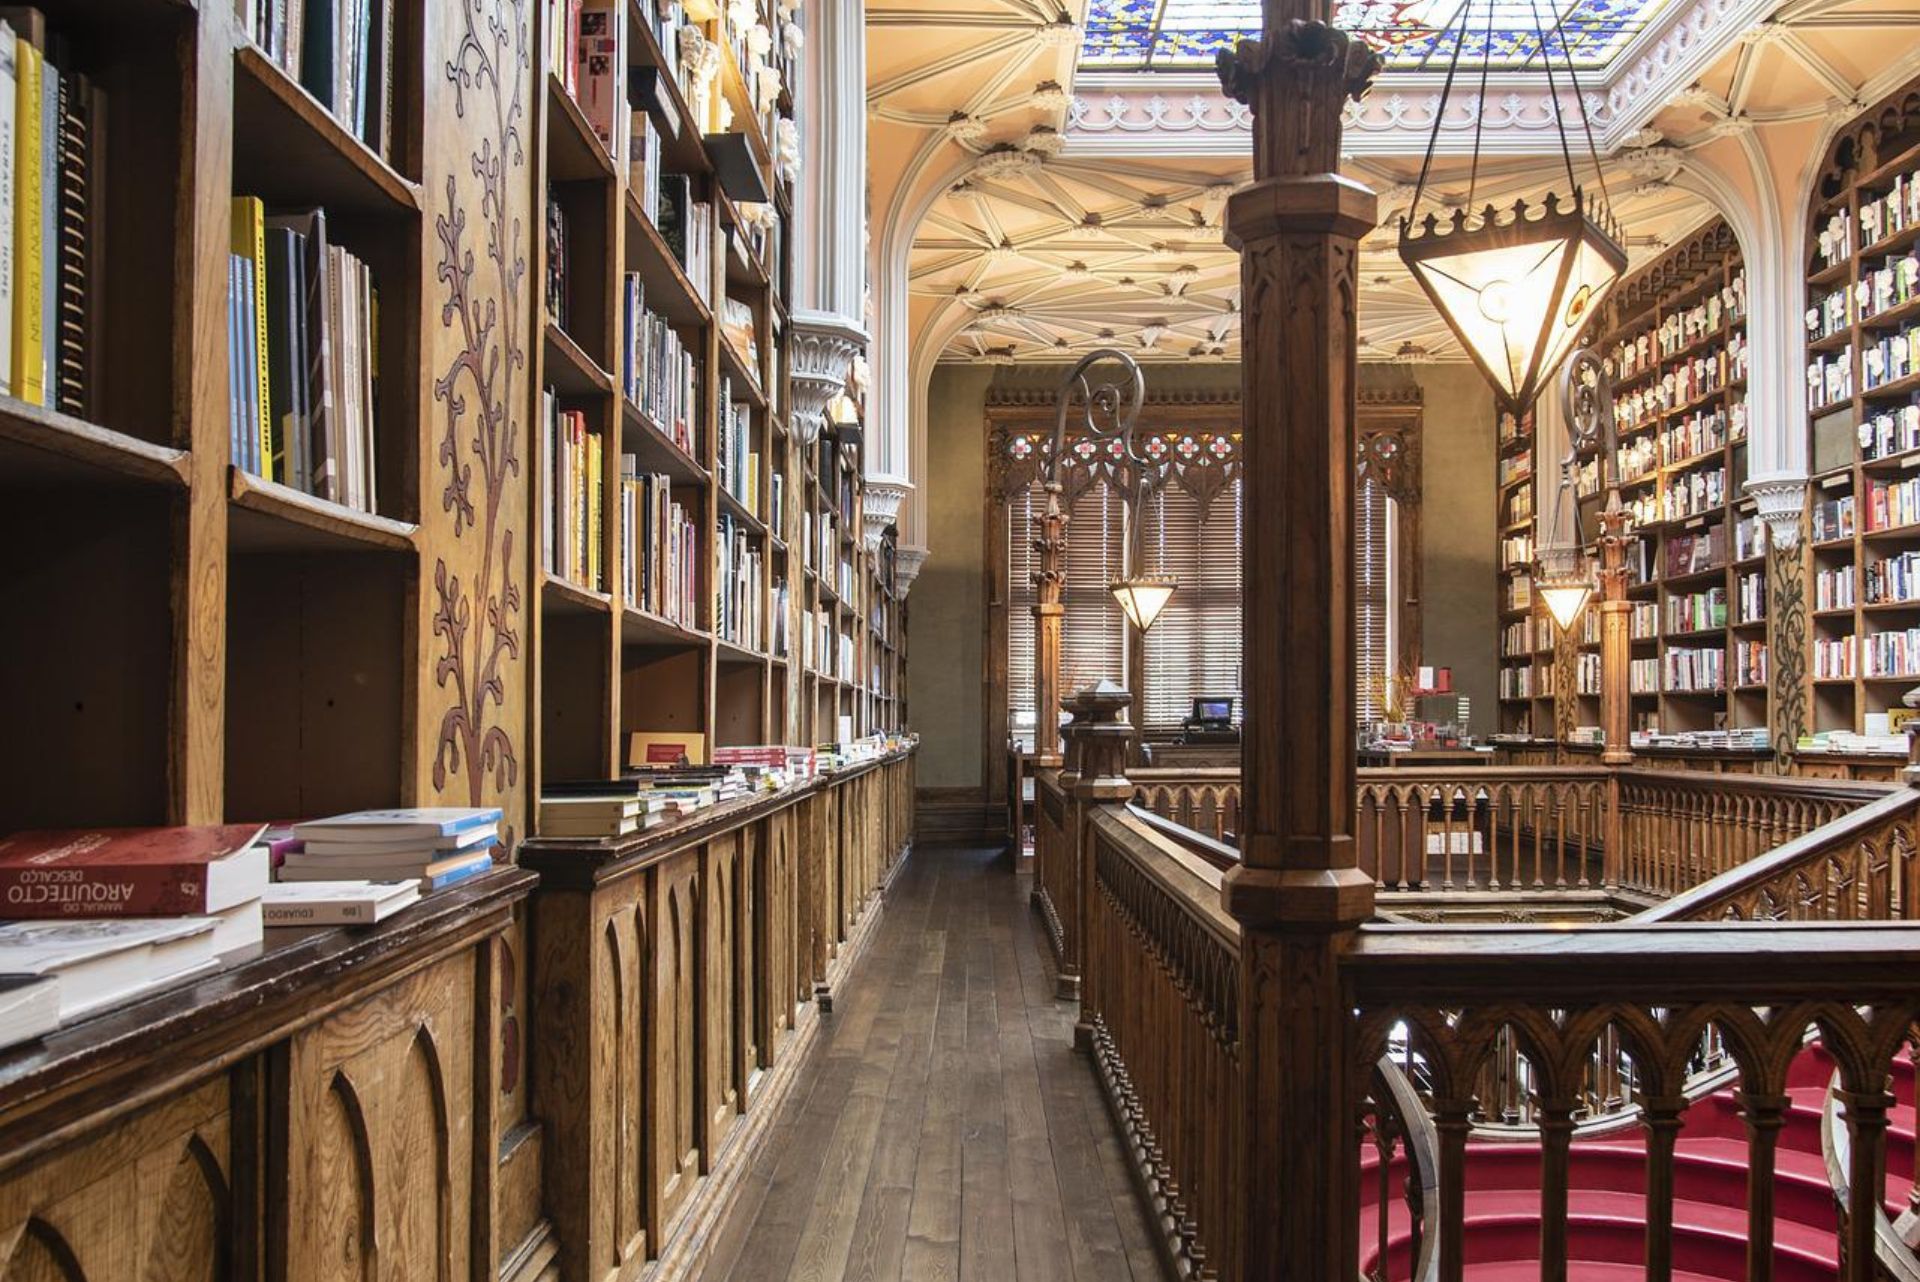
(1516, 286)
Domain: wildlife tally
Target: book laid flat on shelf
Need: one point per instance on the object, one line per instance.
(607, 816)
(29, 1007)
(337, 903)
(101, 961)
(131, 872)
(428, 871)
(350, 842)
(386, 825)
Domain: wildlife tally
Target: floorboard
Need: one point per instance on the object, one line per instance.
(945, 1128)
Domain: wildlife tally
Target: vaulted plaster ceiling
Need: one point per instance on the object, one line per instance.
(1030, 235)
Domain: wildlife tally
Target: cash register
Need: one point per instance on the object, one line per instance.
(1210, 721)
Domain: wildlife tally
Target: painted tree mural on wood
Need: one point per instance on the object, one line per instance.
(477, 615)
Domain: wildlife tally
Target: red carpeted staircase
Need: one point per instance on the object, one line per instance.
(1606, 1209)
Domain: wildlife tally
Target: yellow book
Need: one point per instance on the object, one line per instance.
(593, 512)
(248, 237)
(29, 342)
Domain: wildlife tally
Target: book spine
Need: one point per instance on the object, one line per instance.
(9, 92)
(150, 890)
(335, 913)
(28, 354)
(49, 228)
(74, 339)
(249, 239)
(454, 876)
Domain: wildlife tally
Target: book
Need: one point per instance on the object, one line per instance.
(286, 355)
(82, 110)
(353, 844)
(316, 350)
(337, 903)
(600, 63)
(429, 868)
(249, 239)
(590, 816)
(9, 107)
(390, 825)
(29, 1007)
(28, 351)
(666, 748)
(131, 872)
(103, 961)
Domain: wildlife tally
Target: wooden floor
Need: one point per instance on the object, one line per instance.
(944, 1127)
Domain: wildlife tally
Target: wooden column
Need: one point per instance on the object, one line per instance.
(1616, 639)
(1298, 892)
(1048, 612)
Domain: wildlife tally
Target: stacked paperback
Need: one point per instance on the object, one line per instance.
(101, 916)
(432, 848)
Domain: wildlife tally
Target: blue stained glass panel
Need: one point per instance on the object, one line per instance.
(1412, 35)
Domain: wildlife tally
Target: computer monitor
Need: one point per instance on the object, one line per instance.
(1213, 709)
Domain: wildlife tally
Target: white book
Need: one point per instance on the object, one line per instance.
(29, 1007)
(241, 926)
(100, 961)
(9, 89)
(351, 844)
(337, 903)
(387, 825)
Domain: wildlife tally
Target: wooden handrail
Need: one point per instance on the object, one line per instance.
(1872, 849)
(1217, 853)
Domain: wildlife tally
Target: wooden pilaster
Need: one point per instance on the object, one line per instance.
(1298, 893)
(1616, 640)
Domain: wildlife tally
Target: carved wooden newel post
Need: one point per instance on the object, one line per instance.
(1097, 745)
(1298, 893)
(1050, 541)
(1616, 639)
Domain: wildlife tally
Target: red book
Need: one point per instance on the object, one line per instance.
(131, 872)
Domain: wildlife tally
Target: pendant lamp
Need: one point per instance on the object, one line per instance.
(1515, 285)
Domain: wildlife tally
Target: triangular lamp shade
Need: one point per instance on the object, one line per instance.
(1516, 294)
(1142, 597)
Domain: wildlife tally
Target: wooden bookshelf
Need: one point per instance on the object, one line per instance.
(1863, 416)
(611, 664)
(1673, 336)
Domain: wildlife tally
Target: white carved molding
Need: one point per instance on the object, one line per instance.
(881, 506)
(820, 352)
(1781, 502)
(906, 568)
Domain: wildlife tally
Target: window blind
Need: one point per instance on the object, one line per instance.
(1374, 533)
(1193, 651)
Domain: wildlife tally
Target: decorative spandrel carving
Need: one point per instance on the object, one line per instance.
(1389, 456)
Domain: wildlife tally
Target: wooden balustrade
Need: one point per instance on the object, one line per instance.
(1679, 829)
(1648, 834)
(1205, 799)
(1860, 866)
(1161, 993)
(1453, 992)
(1056, 873)
(1483, 829)
(1546, 1027)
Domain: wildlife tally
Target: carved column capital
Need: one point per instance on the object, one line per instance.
(1297, 78)
(820, 350)
(906, 567)
(884, 497)
(1781, 501)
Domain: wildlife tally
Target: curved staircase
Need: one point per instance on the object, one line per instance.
(1607, 1203)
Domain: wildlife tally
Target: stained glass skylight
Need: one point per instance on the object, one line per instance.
(1413, 35)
